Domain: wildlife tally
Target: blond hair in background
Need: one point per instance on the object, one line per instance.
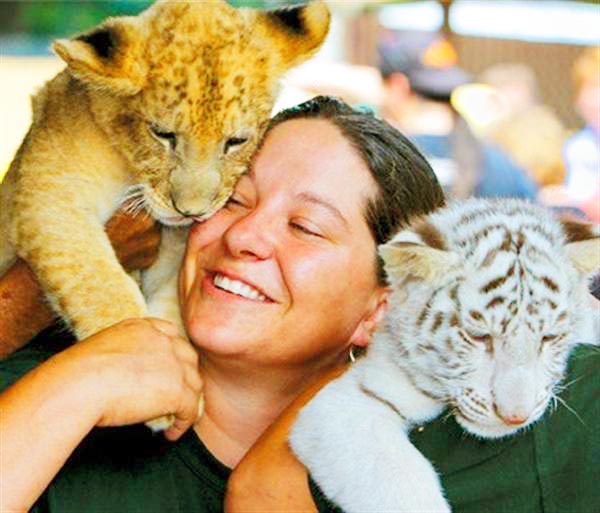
(534, 139)
(530, 132)
(586, 68)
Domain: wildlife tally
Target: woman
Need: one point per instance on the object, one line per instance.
(298, 241)
(275, 289)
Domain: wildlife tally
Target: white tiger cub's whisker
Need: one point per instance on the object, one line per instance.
(487, 302)
(564, 403)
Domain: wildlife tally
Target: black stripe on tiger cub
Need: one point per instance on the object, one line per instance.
(478, 316)
(427, 308)
(577, 230)
(494, 284)
(551, 284)
(498, 300)
(422, 317)
(430, 235)
(437, 322)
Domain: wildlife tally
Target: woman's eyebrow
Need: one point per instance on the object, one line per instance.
(309, 197)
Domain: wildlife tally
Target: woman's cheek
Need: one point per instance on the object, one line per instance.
(188, 272)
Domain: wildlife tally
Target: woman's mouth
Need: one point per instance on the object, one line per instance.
(237, 287)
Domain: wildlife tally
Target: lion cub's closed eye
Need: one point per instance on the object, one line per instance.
(165, 109)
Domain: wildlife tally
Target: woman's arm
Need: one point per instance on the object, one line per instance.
(134, 371)
(269, 477)
(24, 313)
(24, 310)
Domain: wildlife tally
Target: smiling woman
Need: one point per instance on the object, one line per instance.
(274, 290)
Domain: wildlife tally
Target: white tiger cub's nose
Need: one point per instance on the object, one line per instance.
(514, 395)
(513, 419)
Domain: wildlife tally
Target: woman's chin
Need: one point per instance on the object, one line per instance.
(220, 336)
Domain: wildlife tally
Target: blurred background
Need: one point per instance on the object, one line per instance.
(502, 96)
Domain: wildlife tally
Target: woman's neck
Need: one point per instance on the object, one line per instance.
(239, 406)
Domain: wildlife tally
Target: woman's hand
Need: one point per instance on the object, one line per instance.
(132, 372)
(146, 371)
(23, 311)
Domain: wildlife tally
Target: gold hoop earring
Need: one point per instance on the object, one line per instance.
(351, 356)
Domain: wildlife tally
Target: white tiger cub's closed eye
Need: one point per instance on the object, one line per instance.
(487, 300)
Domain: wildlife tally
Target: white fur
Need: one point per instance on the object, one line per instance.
(430, 353)
(357, 448)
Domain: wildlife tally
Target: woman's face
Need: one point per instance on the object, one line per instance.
(285, 273)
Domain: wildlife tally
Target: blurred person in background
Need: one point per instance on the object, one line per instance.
(529, 131)
(516, 84)
(581, 152)
(420, 72)
(582, 149)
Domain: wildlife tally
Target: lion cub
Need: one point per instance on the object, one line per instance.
(164, 108)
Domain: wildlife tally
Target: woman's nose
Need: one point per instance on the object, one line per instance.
(250, 237)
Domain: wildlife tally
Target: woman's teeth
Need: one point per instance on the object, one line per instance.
(237, 287)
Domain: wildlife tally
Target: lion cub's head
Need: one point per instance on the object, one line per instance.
(183, 89)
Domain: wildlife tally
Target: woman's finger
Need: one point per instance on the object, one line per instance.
(185, 351)
(184, 417)
(192, 378)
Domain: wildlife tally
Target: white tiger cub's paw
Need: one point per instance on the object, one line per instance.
(424, 500)
(357, 451)
(407, 485)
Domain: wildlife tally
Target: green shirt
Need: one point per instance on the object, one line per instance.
(552, 467)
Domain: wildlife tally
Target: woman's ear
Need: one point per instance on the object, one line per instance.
(372, 319)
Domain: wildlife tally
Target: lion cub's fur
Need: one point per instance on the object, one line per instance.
(165, 107)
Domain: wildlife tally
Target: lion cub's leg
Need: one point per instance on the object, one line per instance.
(159, 284)
(7, 249)
(159, 281)
(60, 234)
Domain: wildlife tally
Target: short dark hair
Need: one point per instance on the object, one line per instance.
(406, 183)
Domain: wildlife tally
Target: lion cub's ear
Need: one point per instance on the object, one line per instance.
(296, 31)
(107, 57)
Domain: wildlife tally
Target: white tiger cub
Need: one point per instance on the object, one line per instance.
(488, 298)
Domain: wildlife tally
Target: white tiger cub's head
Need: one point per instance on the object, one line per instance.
(183, 90)
(488, 298)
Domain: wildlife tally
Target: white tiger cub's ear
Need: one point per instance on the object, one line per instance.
(583, 247)
(107, 57)
(418, 252)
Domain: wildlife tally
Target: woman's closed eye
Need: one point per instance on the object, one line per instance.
(306, 229)
(235, 202)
